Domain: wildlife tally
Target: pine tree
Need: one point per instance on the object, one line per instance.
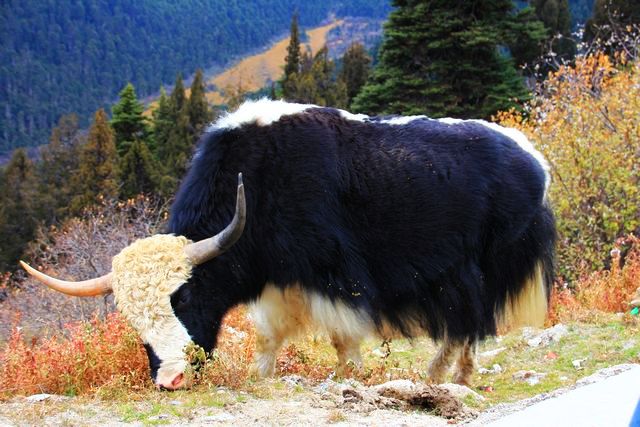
(162, 125)
(200, 114)
(128, 122)
(356, 64)
(139, 172)
(97, 173)
(292, 60)
(60, 159)
(19, 208)
(443, 58)
(174, 135)
(178, 97)
(316, 82)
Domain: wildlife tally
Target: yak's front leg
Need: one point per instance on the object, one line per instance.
(278, 315)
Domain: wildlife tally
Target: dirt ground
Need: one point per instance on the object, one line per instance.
(291, 401)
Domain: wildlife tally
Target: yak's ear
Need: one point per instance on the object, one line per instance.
(206, 249)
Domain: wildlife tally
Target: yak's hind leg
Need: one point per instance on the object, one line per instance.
(442, 361)
(278, 314)
(466, 363)
(348, 350)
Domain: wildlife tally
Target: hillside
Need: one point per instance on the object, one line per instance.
(61, 57)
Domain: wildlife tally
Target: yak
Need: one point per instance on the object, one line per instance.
(355, 225)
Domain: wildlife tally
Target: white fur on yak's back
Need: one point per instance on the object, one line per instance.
(145, 274)
(262, 112)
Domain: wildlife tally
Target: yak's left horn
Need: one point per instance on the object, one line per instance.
(85, 288)
(206, 249)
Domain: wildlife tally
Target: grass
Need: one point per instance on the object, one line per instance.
(607, 340)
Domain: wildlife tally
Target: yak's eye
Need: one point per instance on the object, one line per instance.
(182, 298)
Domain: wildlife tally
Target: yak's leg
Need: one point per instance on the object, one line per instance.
(442, 361)
(466, 363)
(278, 315)
(348, 349)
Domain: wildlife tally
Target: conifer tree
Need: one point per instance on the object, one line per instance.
(356, 64)
(292, 60)
(556, 17)
(19, 208)
(60, 159)
(128, 122)
(175, 151)
(316, 82)
(139, 172)
(200, 114)
(162, 124)
(178, 97)
(443, 58)
(97, 173)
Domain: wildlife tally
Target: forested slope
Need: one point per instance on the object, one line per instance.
(62, 56)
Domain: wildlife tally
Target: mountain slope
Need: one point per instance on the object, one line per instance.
(67, 56)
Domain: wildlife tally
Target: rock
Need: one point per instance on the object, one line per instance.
(578, 364)
(399, 386)
(159, 417)
(175, 403)
(495, 369)
(546, 337)
(293, 380)
(492, 353)
(44, 396)
(462, 391)
(530, 377)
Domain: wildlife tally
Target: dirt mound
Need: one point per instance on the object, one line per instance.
(402, 395)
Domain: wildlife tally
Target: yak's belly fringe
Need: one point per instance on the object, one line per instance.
(280, 314)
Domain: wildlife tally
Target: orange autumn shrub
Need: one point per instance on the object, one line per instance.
(91, 354)
(586, 120)
(611, 290)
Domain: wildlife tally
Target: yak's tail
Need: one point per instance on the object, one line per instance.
(527, 304)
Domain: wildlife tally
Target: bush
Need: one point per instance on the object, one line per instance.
(89, 356)
(586, 120)
(78, 249)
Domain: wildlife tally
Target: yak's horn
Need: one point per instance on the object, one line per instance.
(85, 288)
(206, 249)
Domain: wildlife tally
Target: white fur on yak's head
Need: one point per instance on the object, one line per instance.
(143, 279)
(145, 275)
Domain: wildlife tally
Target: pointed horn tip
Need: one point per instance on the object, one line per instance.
(26, 266)
(240, 183)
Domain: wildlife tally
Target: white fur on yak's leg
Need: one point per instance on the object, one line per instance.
(278, 314)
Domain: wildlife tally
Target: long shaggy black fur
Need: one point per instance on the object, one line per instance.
(424, 222)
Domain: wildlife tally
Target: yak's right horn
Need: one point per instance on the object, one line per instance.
(85, 288)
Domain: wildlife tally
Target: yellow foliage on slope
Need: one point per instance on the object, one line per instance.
(256, 71)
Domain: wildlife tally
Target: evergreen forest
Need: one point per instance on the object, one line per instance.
(63, 56)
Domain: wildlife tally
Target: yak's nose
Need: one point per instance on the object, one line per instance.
(176, 383)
